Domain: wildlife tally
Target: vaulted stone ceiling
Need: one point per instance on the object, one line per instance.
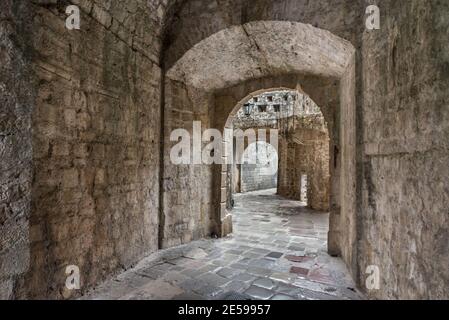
(188, 22)
(259, 49)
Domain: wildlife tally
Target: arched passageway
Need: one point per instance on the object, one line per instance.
(198, 80)
(86, 117)
(293, 125)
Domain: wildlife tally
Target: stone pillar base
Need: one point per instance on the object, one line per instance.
(226, 225)
(333, 247)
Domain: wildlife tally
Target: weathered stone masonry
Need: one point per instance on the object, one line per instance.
(304, 152)
(16, 100)
(81, 124)
(404, 190)
(95, 145)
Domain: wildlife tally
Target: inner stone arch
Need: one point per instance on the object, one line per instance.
(210, 80)
(229, 101)
(302, 140)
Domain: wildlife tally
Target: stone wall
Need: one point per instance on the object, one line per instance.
(265, 110)
(403, 204)
(16, 106)
(263, 174)
(188, 212)
(257, 177)
(96, 133)
(304, 151)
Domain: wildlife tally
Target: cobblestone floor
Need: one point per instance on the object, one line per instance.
(277, 252)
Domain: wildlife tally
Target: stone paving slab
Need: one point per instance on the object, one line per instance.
(259, 293)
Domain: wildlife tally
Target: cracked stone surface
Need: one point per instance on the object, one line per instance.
(247, 50)
(266, 225)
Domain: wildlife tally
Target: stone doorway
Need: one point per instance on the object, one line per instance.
(299, 132)
(297, 167)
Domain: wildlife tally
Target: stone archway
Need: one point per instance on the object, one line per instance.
(302, 140)
(228, 101)
(211, 78)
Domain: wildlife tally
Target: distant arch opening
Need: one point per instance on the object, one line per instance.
(302, 148)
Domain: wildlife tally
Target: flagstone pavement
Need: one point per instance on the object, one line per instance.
(277, 252)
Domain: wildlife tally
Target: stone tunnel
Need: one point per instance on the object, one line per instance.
(86, 116)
